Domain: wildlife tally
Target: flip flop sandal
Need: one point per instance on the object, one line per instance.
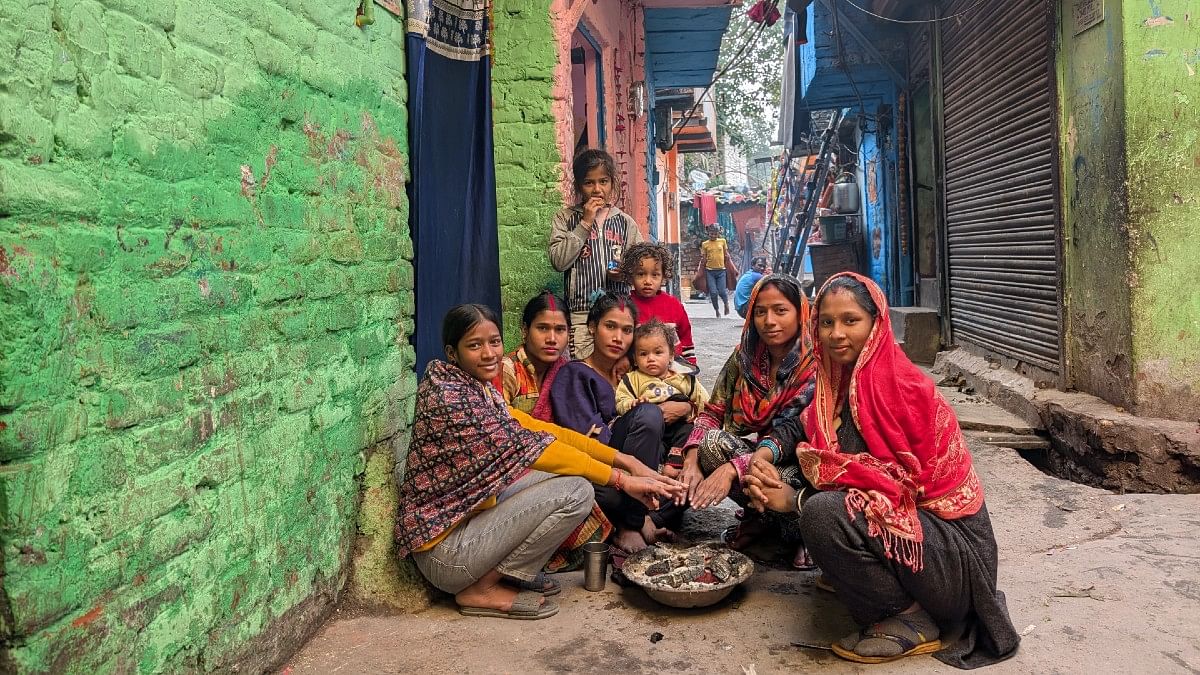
(527, 606)
(542, 583)
(907, 646)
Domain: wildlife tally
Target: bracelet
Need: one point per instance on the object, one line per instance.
(776, 451)
(800, 499)
(617, 482)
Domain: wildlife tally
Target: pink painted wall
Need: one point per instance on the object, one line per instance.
(617, 26)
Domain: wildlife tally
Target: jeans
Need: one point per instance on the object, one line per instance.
(516, 537)
(716, 286)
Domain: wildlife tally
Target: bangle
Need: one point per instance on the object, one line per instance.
(800, 499)
(776, 451)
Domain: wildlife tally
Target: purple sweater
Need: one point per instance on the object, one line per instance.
(581, 400)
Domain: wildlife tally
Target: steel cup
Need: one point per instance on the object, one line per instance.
(595, 565)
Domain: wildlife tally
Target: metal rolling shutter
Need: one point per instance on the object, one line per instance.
(1001, 213)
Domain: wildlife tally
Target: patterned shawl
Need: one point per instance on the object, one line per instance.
(745, 401)
(518, 383)
(916, 456)
(465, 449)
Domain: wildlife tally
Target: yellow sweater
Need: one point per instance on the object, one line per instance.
(571, 454)
(637, 387)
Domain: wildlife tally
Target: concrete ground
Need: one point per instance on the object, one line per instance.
(1096, 582)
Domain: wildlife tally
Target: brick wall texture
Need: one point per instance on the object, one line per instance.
(528, 160)
(205, 298)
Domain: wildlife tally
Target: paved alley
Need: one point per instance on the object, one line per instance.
(1095, 582)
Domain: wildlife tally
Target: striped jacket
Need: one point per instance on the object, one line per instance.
(585, 259)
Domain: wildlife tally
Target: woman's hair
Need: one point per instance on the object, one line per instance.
(590, 159)
(461, 319)
(546, 300)
(791, 291)
(656, 327)
(855, 288)
(638, 252)
(608, 301)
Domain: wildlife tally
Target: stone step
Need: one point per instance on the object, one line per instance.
(1006, 440)
(918, 331)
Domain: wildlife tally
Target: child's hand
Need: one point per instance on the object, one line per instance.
(591, 209)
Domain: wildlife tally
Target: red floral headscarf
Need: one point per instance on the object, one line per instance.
(916, 456)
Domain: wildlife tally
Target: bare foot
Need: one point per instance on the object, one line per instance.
(802, 560)
(630, 541)
(747, 532)
(489, 592)
(654, 534)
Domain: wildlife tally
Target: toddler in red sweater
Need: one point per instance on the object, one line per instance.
(646, 266)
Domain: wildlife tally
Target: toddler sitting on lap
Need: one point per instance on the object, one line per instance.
(654, 382)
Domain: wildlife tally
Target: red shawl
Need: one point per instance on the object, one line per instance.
(757, 398)
(916, 457)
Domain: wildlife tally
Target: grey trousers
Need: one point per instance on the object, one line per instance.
(532, 517)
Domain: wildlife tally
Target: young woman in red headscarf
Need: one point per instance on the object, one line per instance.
(766, 381)
(895, 514)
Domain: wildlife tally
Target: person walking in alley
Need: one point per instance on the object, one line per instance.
(892, 509)
(647, 266)
(489, 492)
(715, 252)
(587, 241)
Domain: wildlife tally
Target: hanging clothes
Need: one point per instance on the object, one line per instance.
(706, 206)
(452, 195)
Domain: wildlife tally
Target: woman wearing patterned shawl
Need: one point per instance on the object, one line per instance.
(488, 492)
(529, 370)
(766, 381)
(897, 519)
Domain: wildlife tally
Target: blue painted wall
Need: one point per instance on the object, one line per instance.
(824, 85)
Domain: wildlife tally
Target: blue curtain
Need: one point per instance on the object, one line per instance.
(452, 194)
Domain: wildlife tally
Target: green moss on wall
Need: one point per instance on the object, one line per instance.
(1162, 100)
(527, 154)
(1096, 241)
(205, 293)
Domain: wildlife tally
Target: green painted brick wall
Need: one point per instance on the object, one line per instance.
(1097, 274)
(1162, 129)
(205, 298)
(528, 162)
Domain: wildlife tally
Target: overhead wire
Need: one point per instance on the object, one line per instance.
(732, 62)
(964, 12)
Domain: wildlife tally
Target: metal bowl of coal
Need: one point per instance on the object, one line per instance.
(693, 576)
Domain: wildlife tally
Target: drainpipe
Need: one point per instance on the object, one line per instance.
(937, 113)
